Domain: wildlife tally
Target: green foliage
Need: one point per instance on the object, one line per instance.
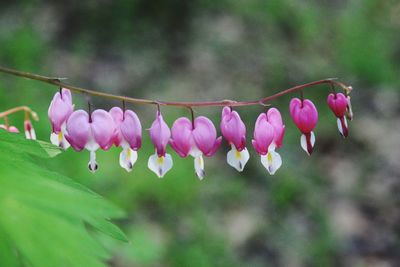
(46, 218)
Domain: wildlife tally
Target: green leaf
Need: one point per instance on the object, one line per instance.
(43, 215)
(19, 144)
(109, 229)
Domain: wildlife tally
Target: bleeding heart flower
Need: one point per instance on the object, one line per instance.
(59, 111)
(161, 162)
(10, 129)
(268, 135)
(338, 104)
(91, 132)
(305, 116)
(196, 139)
(234, 131)
(128, 135)
(29, 130)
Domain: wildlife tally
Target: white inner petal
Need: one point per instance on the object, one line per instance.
(194, 151)
(59, 140)
(91, 145)
(54, 138)
(199, 166)
(272, 161)
(237, 159)
(33, 134)
(30, 134)
(303, 141)
(64, 143)
(339, 125)
(312, 139)
(127, 158)
(160, 165)
(272, 146)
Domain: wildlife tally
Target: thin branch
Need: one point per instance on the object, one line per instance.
(232, 103)
(28, 111)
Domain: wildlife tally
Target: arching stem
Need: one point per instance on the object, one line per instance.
(57, 82)
(28, 112)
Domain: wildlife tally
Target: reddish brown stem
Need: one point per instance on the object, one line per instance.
(26, 109)
(232, 103)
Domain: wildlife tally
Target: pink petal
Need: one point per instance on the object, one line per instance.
(257, 148)
(13, 129)
(275, 118)
(233, 128)
(103, 128)
(78, 129)
(295, 105)
(117, 115)
(204, 134)
(131, 129)
(60, 109)
(309, 116)
(338, 104)
(263, 134)
(304, 114)
(160, 135)
(215, 147)
(181, 136)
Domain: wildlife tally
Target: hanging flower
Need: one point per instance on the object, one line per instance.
(234, 131)
(161, 162)
(92, 132)
(196, 139)
(305, 116)
(338, 104)
(268, 135)
(128, 135)
(59, 111)
(29, 130)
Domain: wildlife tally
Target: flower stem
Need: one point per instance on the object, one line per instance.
(232, 103)
(28, 111)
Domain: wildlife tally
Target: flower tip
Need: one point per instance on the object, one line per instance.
(93, 167)
(201, 174)
(199, 166)
(160, 165)
(34, 116)
(272, 161)
(29, 130)
(127, 159)
(237, 159)
(343, 127)
(307, 142)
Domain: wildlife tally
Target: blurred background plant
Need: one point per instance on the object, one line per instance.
(337, 208)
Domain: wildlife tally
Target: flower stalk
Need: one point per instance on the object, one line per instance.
(220, 103)
(28, 113)
(197, 136)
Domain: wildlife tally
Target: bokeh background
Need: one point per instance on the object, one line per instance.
(339, 207)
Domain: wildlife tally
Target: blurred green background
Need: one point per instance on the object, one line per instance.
(339, 207)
